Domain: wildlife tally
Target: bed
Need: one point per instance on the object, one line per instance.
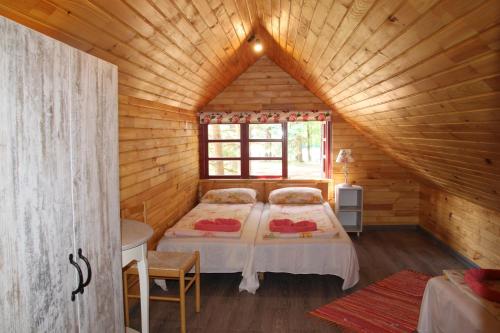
(221, 254)
(449, 305)
(311, 255)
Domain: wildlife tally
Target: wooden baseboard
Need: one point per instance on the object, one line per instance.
(463, 259)
(389, 227)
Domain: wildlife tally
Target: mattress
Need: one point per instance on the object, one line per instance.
(223, 255)
(335, 255)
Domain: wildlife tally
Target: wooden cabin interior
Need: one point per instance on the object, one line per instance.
(111, 111)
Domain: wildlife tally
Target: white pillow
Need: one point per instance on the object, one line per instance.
(230, 196)
(296, 195)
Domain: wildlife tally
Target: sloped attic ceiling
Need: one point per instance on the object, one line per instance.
(180, 53)
(419, 77)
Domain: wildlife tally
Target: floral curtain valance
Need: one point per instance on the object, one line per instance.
(262, 116)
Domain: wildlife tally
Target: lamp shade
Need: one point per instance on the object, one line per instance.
(344, 156)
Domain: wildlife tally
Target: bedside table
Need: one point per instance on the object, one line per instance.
(349, 207)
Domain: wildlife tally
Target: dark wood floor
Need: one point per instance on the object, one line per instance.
(283, 300)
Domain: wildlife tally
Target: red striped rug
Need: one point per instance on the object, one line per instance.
(391, 305)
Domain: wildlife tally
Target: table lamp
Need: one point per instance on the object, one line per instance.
(345, 157)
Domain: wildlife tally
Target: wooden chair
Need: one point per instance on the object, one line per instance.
(170, 265)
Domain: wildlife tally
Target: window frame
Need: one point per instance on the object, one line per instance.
(205, 159)
(245, 158)
(283, 158)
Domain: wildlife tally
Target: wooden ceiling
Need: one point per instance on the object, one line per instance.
(180, 53)
(419, 77)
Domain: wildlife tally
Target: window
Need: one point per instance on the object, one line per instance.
(297, 150)
(267, 149)
(224, 150)
(305, 149)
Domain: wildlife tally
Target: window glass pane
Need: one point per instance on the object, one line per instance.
(266, 131)
(223, 149)
(304, 150)
(265, 168)
(265, 149)
(224, 168)
(223, 131)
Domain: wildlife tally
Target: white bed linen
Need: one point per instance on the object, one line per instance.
(185, 227)
(446, 309)
(315, 213)
(335, 256)
(223, 255)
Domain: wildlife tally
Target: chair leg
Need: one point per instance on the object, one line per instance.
(182, 302)
(125, 296)
(197, 281)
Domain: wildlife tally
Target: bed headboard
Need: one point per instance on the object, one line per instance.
(263, 186)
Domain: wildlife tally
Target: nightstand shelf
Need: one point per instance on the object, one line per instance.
(351, 228)
(349, 207)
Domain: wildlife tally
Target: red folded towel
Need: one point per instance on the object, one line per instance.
(476, 280)
(287, 226)
(220, 224)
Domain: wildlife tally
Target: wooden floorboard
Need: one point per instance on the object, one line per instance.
(283, 301)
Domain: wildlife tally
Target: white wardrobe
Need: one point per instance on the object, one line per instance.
(59, 190)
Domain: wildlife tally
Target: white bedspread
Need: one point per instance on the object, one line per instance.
(446, 309)
(223, 255)
(185, 226)
(335, 256)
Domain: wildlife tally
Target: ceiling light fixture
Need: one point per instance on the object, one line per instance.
(257, 45)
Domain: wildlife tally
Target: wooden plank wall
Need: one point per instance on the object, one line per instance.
(470, 229)
(391, 194)
(265, 86)
(159, 162)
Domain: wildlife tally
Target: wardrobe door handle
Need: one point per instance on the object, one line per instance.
(89, 270)
(79, 289)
